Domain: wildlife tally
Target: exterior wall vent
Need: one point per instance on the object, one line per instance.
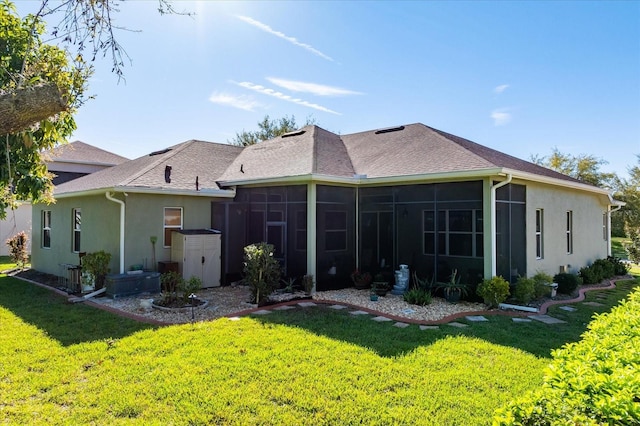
(162, 151)
(389, 130)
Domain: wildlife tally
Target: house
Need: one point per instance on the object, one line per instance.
(66, 162)
(332, 203)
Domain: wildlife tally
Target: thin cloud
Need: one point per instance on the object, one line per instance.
(500, 117)
(292, 40)
(244, 102)
(313, 88)
(501, 88)
(282, 96)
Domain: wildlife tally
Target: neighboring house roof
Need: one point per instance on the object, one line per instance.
(189, 160)
(80, 152)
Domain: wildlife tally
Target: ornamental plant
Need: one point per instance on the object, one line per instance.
(567, 283)
(261, 271)
(494, 291)
(18, 249)
(524, 290)
(542, 281)
(96, 264)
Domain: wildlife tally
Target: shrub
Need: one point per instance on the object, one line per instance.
(189, 287)
(417, 296)
(619, 267)
(97, 265)
(592, 382)
(170, 283)
(633, 248)
(524, 290)
(18, 249)
(541, 287)
(261, 271)
(567, 283)
(607, 268)
(494, 291)
(590, 274)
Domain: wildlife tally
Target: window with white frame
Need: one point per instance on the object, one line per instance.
(172, 222)
(76, 221)
(46, 229)
(539, 233)
(570, 232)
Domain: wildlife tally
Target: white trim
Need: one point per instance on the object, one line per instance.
(109, 196)
(210, 193)
(311, 232)
(494, 225)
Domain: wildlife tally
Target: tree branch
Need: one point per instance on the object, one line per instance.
(22, 108)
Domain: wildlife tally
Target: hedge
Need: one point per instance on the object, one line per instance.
(591, 382)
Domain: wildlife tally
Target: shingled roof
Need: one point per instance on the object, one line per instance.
(409, 150)
(80, 152)
(189, 160)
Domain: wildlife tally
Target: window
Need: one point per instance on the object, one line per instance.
(46, 229)
(539, 227)
(172, 222)
(459, 233)
(569, 232)
(335, 224)
(76, 223)
(301, 230)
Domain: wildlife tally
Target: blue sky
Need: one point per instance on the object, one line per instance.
(520, 77)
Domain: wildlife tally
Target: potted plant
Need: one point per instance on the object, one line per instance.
(95, 266)
(361, 280)
(453, 289)
(380, 286)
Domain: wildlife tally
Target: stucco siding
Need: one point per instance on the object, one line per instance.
(587, 210)
(16, 221)
(99, 231)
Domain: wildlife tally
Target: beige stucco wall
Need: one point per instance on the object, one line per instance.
(588, 241)
(101, 228)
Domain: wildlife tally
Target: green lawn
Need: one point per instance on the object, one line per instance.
(72, 364)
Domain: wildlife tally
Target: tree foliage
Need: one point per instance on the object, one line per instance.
(268, 129)
(585, 168)
(25, 61)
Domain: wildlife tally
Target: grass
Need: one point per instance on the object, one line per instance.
(71, 364)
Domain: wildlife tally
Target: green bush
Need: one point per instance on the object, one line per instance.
(418, 296)
(493, 291)
(261, 271)
(541, 286)
(619, 267)
(607, 268)
(567, 283)
(590, 274)
(592, 382)
(524, 290)
(189, 287)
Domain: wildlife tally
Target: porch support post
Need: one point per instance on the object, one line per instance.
(311, 231)
(494, 224)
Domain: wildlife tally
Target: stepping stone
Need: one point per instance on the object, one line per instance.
(476, 318)
(547, 319)
(359, 313)
(261, 312)
(381, 319)
(568, 308)
(458, 324)
(429, 327)
(283, 308)
(401, 325)
(593, 304)
(337, 307)
(234, 318)
(306, 304)
(521, 320)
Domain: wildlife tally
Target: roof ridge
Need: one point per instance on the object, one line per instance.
(447, 136)
(170, 154)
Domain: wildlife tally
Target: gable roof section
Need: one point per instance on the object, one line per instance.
(308, 151)
(188, 160)
(80, 152)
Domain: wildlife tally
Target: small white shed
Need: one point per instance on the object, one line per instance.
(197, 252)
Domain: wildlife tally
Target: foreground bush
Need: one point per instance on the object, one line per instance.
(591, 382)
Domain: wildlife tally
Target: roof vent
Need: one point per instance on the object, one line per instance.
(389, 130)
(296, 133)
(162, 151)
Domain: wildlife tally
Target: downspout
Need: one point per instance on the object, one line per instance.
(494, 225)
(609, 227)
(109, 196)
